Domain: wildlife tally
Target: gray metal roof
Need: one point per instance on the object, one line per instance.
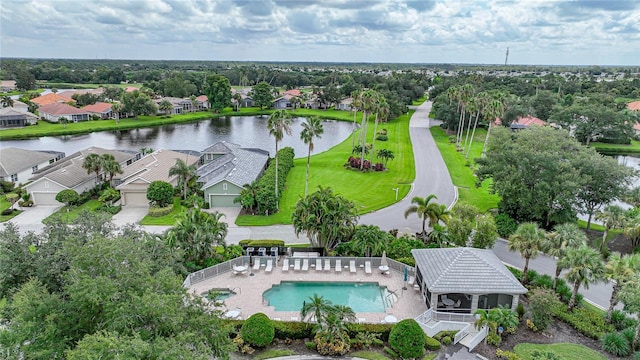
(14, 160)
(238, 165)
(465, 270)
(154, 167)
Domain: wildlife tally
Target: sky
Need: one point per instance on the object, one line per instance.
(570, 32)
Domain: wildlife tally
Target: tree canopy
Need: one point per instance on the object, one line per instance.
(218, 91)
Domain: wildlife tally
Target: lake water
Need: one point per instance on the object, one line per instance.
(247, 131)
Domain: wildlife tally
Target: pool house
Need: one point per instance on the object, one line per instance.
(463, 280)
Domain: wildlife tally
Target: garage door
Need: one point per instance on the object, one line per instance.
(45, 198)
(223, 201)
(135, 199)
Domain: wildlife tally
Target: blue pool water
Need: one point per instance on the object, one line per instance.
(361, 297)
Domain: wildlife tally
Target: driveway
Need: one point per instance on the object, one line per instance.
(129, 215)
(432, 177)
(31, 218)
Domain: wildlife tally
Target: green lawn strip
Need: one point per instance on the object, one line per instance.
(44, 128)
(563, 350)
(273, 353)
(371, 355)
(16, 92)
(369, 191)
(617, 149)
(587, 305)
(68, 214)
(419, 101)
(599, 228)
(62, 85)
(461, 170)
(169, 219)
(4, 204)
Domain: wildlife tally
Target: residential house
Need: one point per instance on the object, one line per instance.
(345, 104)
(18, 165)
(11, 117)
(68, 173)
(283, 102)
(180, 106)
(203, 102)
(135, 179)
(20, 105)
(523, 122)
(69, 93)
(293, 92)
(52, 99)
(634, 105)
(101, 109)
(463, 280)
(7, 85)
(53, 113)
(227, 169)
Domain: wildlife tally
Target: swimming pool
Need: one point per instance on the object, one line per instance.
(360, 296)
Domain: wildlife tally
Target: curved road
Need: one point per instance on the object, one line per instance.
(432, 177)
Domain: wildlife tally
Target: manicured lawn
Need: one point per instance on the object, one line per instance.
(4, 204)
(369, 191)
(168, 219)
(461, 170)
(564, 351)
(617, 149)
(273, 353)
(371, 355)
(68, 214)
(16, 92)
(419, 101)
(82, 86)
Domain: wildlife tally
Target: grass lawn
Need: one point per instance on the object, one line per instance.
(617, 149)
(59, 85)
(272, 353)
(564, 351)
(4, 204)
(168, 219)
(461, 170)
(16, 92)
(371, 355)
(68, 214)
(327, 169)
(44, 128)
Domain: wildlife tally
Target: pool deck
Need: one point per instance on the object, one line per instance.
(249, 290)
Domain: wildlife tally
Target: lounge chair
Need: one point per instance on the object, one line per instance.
(318, 264)
(338, 265)
(269, 266)
(327, 265)
(256, 264)
(411, 280)
(305, 265)
(296, 265)
(367, 267)
(352, 266)
(285, 264)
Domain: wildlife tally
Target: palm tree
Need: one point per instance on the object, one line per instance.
(279, 123)
(116, 108)
(556, 243)
(612, 217)
(367, 102)
(584, 266)
(311, 129)
(316, 309)
(166, 106)
(505, 317)
(369, 240)
(385, 154)
(464, 95)
(485, 318)
(382, 108)
(7, 101)
(93, 163)
(237, 97)
(527, 240)
(355, 105)
(427, 210)
(494, 109)
(630, 295)
(480, 101)
(184, 172)
(196, 233)
(194, 103)
(110, 167)
(620, 270)
(537, 82)
(438, 235)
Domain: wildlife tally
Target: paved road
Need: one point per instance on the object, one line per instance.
(432, 177)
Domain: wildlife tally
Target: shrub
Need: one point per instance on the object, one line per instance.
(628, 333)
(564, 292)
(378, 167)
(111, 209)
(310, 345)
(539, 302)
(266, 201)
(160, 193)
(586, 322)
(68, 197)
(382, 137)
(446, 340)
(292, 330)
(543, 281)
(407, 339)
(334, 347)
(160, 211)
(28, 203)
(240, 344)
(7, 211)
(391, 353)
(365, 340)
(494, 339)
(505, 225)
(261, 243)
(616, 344)
(7, 186)
(508, 355)
(636, 356)
(382, 330)
(258, 330)
(431, 343)
(544, 355)
(520, 310)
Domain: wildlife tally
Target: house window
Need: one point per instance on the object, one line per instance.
(224, 186)
(14, 178)
(34, 168)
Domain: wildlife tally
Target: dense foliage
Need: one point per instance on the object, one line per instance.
(407, 339)
(258, 330)
(160, 193)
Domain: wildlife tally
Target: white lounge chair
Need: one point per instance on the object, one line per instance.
(327, 265)
(305, 265)
(285, 264)
(318, 264)
(338, 265)
(367, 267)
(256, 264)
(269, 266)
(352, 266)
(296, 265)
(411, 280)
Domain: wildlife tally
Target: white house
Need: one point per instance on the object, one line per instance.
(18, 165)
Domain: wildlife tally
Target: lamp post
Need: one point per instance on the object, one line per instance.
(396, 190)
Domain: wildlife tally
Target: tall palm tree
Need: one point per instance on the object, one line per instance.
(93, 163)
(527, 240)
(367, 102)
(612, 216)
(184, 172)
(464, 95)
(355, 106)
(369, 240)
(584, 266)
(480, 101)
(382, 111)
(7, 101)
(344, 312)
(279, 124)
(620, 269)
(311, 129)
(564, 237)
(237, 97)
(316, 309)
(427, 210)
(116, 108)
(196, 233)
(111, 167)
(165, 106)
(494, 109)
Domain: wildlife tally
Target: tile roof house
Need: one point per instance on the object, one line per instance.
(18, 165)
(634, 105)
(68, 173)
(180, 105)
(464, 279)
(292, 92)
(283, 102)
(11, 117)
(227, 169)
(53, 112)
(7, 85)
(345, 104)
(524, 122)
(135, 179)
(203, 102)
(69, 93)
(51, 99)
(101, 109)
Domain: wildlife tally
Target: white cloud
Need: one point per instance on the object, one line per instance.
(542, 32)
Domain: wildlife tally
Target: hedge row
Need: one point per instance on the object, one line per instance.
(157, 211)
(266, 201)
(261, 243)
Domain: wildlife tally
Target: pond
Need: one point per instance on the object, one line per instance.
(247, 131)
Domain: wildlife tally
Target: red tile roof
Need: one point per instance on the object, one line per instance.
(202, 98)
(51, 99)
(292, 92)
(131, 89)
(634, 106)
(525, 120)
(70, 93)
(59, 109)
(99, 107)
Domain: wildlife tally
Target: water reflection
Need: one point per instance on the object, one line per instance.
(248, 131)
